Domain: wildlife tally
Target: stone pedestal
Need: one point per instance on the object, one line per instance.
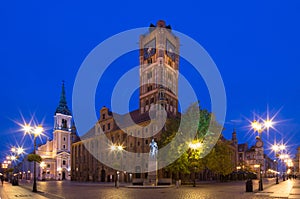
(152, 174)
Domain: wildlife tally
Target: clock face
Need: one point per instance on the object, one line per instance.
(170, 48)
(149, 49)
(259, 143)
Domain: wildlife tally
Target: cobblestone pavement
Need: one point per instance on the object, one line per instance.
(74, 190)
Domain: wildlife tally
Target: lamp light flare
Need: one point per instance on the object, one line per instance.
(275, 148)
(13, 157)
(20, 150)
(282, 147)
(27, 128)
(257, 126)
(116, 147)
(38, 130)
(112, 147)
(195, 146)
(120, 148)
(268, 124)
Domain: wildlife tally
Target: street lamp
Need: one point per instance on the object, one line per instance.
(35, 131)
(260, 186)
(194, 146)
(284, 157)
(276, 148)
(117, 148)
(260, 126)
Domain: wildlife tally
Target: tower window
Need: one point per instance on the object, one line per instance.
(64, 138)
(64, 123)
(64, 146)
(103, 127)
(108, 126)
(64, 162)
(103, 116)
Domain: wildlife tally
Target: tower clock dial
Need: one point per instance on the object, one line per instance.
(149, 49)
(259, 143)
(170, 49)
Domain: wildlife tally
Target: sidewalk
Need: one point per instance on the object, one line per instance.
(281, 190)
(295, 192)
(7, 191)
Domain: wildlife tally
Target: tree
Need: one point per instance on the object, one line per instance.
(219, 160)
(194, 125)
(34, 157)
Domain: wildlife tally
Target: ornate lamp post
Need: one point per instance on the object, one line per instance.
(117, 148)
(35, 131)
(260, 126)
(194, 146)
(276, 148)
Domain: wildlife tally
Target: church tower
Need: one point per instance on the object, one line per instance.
(159, 60)
(62, 136)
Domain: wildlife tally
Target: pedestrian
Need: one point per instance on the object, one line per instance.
(2, 179)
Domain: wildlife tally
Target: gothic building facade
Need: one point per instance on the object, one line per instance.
(159, 64)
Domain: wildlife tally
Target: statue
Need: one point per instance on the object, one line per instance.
(153, 149)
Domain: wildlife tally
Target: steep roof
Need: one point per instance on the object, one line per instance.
(62, 106)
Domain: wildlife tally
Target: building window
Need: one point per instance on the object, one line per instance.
(48, 165)
(108, 126)
(48, 172)
(103, 116)
(64, 146)
(138, 143)
(146, 141)
(64, 138)
(152, 100)
(64, 123)
(103, 127)
(112, 139)
(64, 162)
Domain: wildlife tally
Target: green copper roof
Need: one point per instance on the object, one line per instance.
(62, 106)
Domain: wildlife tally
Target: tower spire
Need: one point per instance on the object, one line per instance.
(62, 106)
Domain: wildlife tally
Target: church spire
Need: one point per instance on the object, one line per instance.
(62, 106)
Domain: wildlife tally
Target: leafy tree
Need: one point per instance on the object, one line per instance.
(34, 157)
(219, 160)
(194, 125)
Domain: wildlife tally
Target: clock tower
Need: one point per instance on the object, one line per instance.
(159, 60)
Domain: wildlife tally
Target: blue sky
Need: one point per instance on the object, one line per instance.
(254, 44)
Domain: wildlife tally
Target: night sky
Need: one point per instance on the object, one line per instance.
(255, 46)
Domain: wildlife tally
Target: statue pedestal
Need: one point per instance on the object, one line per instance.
(152, 174)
